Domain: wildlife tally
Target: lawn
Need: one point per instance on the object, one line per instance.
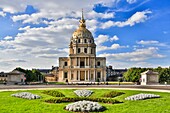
(10, 104)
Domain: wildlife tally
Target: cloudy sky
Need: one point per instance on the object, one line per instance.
(129, 33)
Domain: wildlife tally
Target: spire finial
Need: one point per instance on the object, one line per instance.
(82, 21)
(82, 17)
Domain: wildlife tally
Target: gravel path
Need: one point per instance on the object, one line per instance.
(159, 88)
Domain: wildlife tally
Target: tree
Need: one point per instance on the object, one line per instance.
(31, 75)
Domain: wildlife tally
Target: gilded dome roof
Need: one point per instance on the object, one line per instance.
(82, 32)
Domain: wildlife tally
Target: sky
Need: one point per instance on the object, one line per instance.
(129, 33)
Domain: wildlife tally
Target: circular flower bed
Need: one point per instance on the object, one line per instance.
(26, 95)
(85, 106)
(83, 93)
(142, 96)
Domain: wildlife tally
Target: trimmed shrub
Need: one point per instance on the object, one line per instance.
(68, 99)
(54, 93)
(112, 94)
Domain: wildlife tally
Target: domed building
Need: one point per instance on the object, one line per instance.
(82, 63)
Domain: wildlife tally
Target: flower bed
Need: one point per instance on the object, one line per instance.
(83, 93)
(112, 94)
(85, 106)
(54, 93)
(26, 95)
(68, 99)
(142, 96)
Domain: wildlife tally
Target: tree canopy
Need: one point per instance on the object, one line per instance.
(133, 74)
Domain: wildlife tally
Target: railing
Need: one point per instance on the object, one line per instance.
(82, 66)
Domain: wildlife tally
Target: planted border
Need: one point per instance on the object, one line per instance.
(68, 99)
(54, 93)
(112, 94)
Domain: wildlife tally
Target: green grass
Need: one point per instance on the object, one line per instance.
(10, 104)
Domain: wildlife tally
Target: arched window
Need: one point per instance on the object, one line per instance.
(78, 40)
(85, 41)
(85, 50)
(90, 41)
(78, 50)
(91, 51)
(65, 63)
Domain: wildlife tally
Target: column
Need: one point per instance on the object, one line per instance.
(88, 75)
(76, 61)
(102, 75)
(89, 62)
(79, 61)
(85, 61)
(85, 75)
(76, 75)
(70, 63)
(79, 75)
(63, 75)
(70, 75)
(94, 76)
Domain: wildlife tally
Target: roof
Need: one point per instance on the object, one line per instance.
(150, 72)
(16, 72)
(49, 75)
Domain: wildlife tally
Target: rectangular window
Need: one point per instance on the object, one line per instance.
(98, 63)
(65, 74)
(98, 74)
(72, 76)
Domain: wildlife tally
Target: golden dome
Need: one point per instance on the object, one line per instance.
(82, 32)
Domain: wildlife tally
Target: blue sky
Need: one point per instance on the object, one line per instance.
(129, 33)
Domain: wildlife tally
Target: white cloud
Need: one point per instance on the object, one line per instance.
(94, 14)
(105, 38)
(20, 17)
(114, 38)
(2, 14)
(112, 47)
(137, 55)
(8, 37)
(101, 39)
(131, 1)
(138, 17)
(151, 43)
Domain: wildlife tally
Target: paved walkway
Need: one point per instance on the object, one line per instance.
(158, 88)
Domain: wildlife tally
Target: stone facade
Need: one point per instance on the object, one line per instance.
(82, 63)
(15, 77)
(114, 74)
(149, 77)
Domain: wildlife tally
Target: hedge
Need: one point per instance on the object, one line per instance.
(68, 99)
